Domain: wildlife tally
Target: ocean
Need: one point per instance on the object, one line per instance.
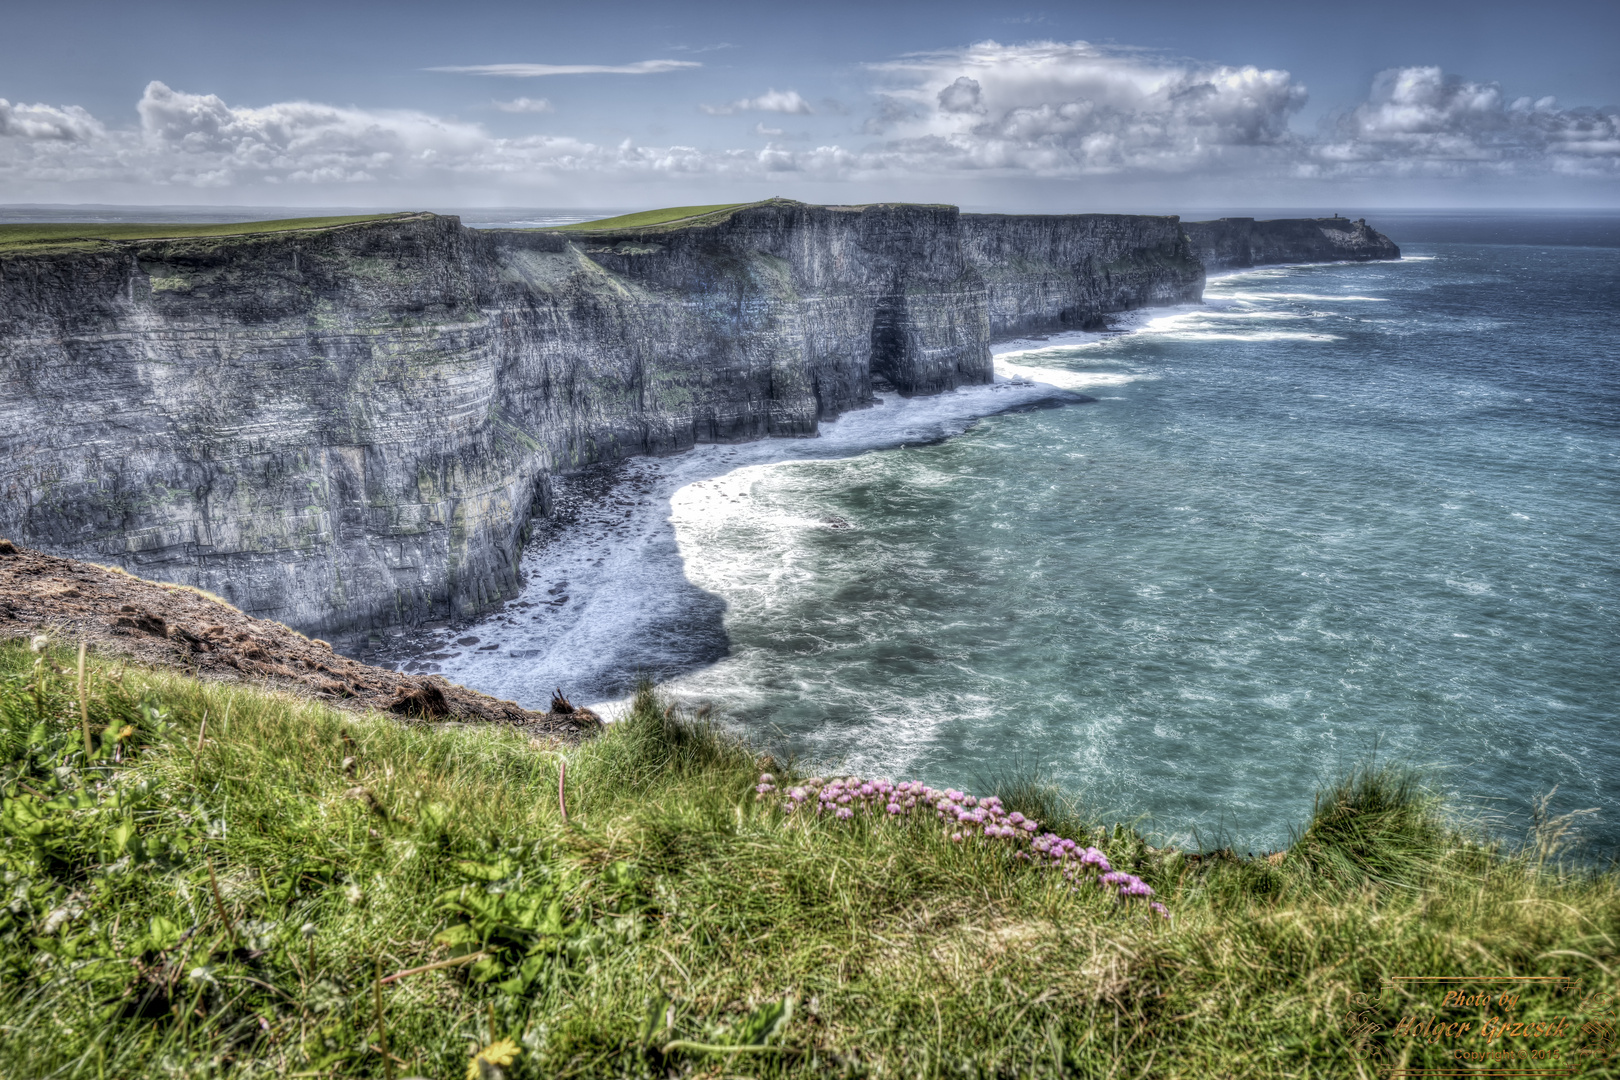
(1189, 571)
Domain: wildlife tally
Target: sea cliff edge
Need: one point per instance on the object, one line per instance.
(349, 428)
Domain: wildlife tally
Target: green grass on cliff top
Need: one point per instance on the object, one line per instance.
(222, 884)
(35, 235)
(644, 218)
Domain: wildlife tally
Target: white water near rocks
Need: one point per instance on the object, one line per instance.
(1336, 510)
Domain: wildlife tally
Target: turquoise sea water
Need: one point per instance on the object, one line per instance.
(1338, 510)
(1342, 509)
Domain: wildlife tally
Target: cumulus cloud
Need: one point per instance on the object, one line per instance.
(65, 124)
(773, 100)
(201, 140)
(531, 71)
(1044, 110)
(525, 105)
(965, 95)
(1073, 108)
(1421, 121)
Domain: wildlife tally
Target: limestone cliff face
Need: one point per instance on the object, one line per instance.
(1055, 272)
(1233, 243)
(348, 428)
(309, 424)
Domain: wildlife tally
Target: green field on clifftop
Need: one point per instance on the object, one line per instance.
(644, 218)
(208, 879)
(35, 235)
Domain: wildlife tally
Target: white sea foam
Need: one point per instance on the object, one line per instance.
(610, 596)
(1259, 335)
(1122, 325)
(1062, 377)
(1320, 297)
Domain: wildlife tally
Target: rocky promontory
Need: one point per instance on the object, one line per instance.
(1238, 243)
(348, 428)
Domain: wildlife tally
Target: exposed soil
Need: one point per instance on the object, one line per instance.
(173, 626)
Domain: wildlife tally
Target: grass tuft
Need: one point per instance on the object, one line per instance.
(1377, 824)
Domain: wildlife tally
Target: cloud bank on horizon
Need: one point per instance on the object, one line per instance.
(1038, 111)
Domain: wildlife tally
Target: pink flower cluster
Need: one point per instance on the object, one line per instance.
(968, 818)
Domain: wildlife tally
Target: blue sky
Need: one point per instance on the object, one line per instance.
(1083, 106)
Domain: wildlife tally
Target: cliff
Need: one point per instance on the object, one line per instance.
(1045, 272)
(1233, 243)
(348, 427)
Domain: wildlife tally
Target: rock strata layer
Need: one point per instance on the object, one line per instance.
(349, 428)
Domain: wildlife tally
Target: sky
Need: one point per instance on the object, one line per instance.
(1145, 106)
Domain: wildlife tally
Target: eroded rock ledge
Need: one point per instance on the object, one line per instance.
(173, 626)
(348, 428)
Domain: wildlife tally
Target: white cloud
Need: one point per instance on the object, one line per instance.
(1073, 108)
(773, 100)
(66, 124)
(530, 71)
(1420, 121)
(198, 139)
(962, 96)
(989, 111)
(525, 105)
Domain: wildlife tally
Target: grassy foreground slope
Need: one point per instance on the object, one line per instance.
(236, 882)
(17, 237)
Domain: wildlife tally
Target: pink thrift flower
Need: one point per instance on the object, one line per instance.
(845, 813)
(956, 837)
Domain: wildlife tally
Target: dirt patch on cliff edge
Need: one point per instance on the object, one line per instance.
(174, 626)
